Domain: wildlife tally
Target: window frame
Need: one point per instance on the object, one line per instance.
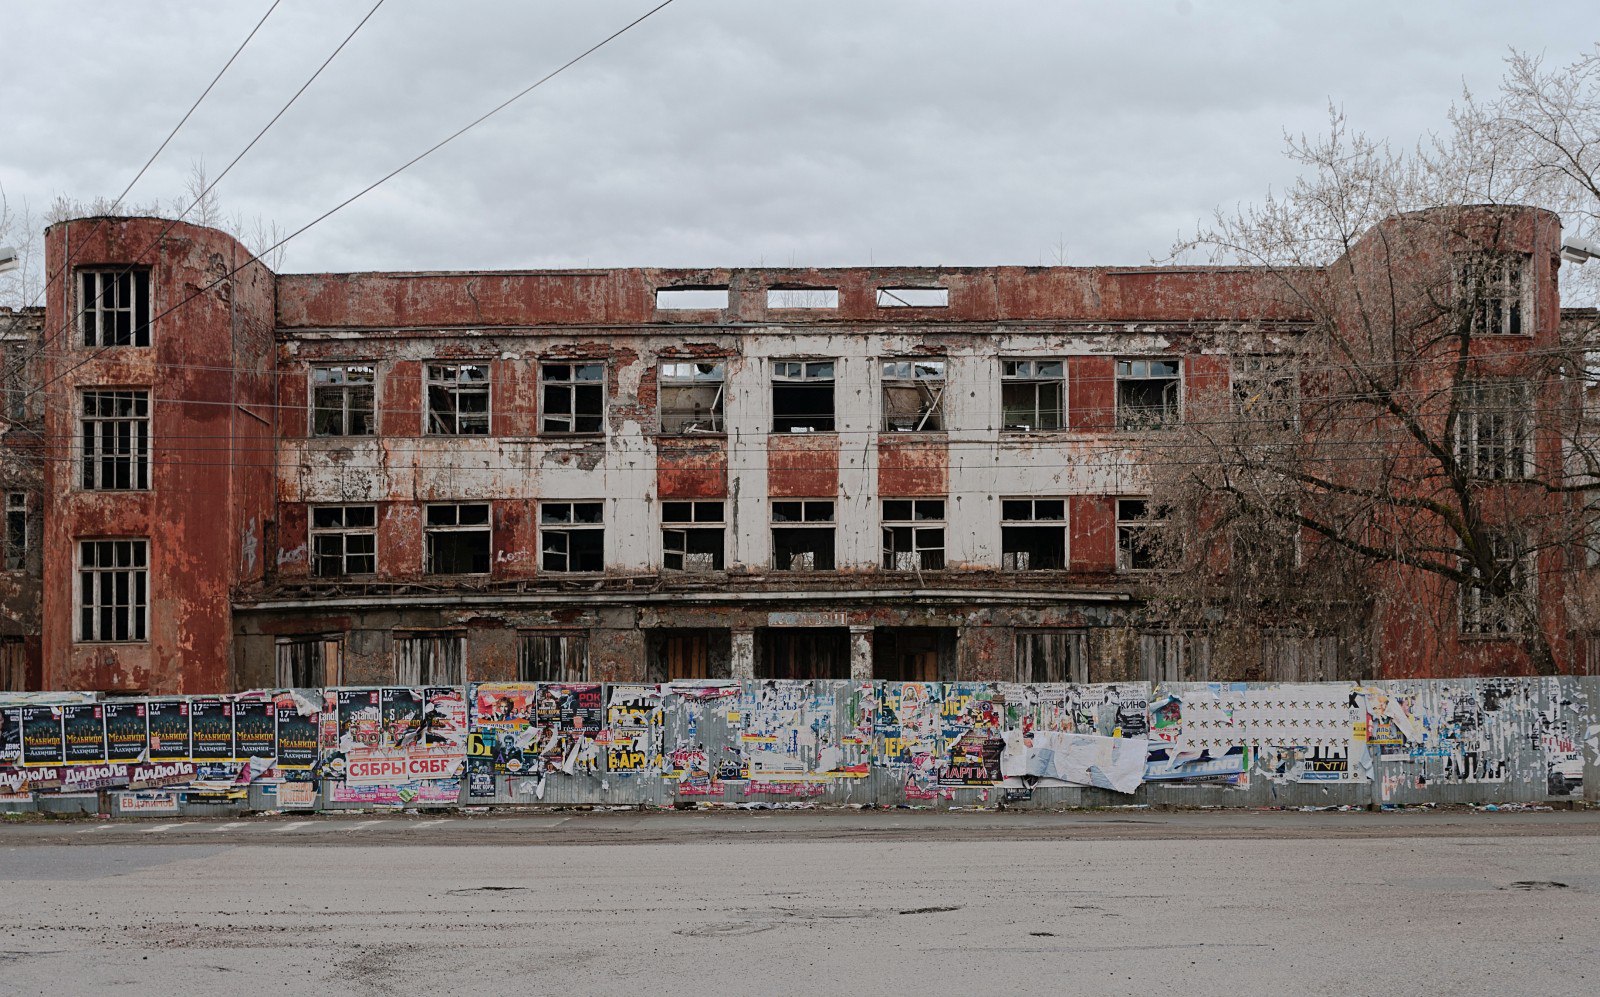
(1036, 380)
(811, 520)
(1508, 460)
(1035, 522)
(780, 374)
(431, 530)
(565, 529)
(453, 386)
(1130, 527)
(1477, 610)
(697, 523)
(888, 378)
(94, 461)
(141, 286)
(343, 531)
(1126, 421)
(344, 389)
(572, 384)
(716, 415)
(137, 603)
(1468, 270)
(917, 525)
(17, 548)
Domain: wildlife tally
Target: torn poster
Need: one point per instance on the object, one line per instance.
(1114, 763)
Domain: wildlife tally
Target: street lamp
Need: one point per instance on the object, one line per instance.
(8, 258)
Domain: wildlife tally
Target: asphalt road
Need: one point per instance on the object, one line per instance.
(798, 902)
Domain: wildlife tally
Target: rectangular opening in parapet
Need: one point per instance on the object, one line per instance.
(803, 297)
(685, 298)
(913, 297)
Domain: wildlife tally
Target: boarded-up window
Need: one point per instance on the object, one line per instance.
(1052, 656)
(13, 664)
(430, 658)
(1174, 657)
(553, 656)
(310, 662)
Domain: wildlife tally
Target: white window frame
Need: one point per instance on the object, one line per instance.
(1138, 369)
(430, 530)
(562, 530)
(1499, 410)
(1033, 521)
(344, 531)
(815, 514)
(1481, 615)
(805, 371)
(682, 374)
(90, 626)
(705, 516)
(927, 518)
(339, 383)
(98, 462)
(1031, 371)
(924, 375)
(1130, 527)
(1508, 305)
(550, 419)
(93, 310)
(434, 376)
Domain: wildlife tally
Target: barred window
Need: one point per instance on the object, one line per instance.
(115, 433)
(344, 540)
(342, 400)
(113, 590)
(572, 536)
(692, 536)
(458, 399)
(430, 658)
(913, 534)
(114, 307)
(553, 656)
(574, 398)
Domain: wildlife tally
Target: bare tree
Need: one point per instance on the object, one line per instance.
(1399, 445)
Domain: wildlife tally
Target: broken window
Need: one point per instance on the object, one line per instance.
(802, 396)
(803, 297)
(1052, 656)
(16, 553)
(913, 396)
(1147, 394)
(344, 540)
(458, 399)
(913, 534)
(13, 381)
(310, 662)
(1491, 286)
(113, 590)
(572, 536)
(430, 658)
(1266, 389)
(457, 539)
(799, 540)
(678, 298)
(1033, 534)
(1033, 394)
(116, 440)
(1138, 534)
(1165, 656)
(342, 400)
(13, 664)
(114, 307)
(1492, 431)
(691, 396)
(553, 656)
(913, 297)
(692, 536)
(1499, 600)
(574, 398)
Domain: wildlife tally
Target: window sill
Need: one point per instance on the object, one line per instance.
(111, 643)
(664, 435)
(561, 437)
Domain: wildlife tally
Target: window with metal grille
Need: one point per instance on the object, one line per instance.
(342, 400)
(113, 590)
(1138, 534)
(1266, 389)
(310, 662)
(1492, 288)
(799, 541)
(344, 540)
(913, 396)
(115, 434)
(913, 534)
(692, 536)
(1052, 656)
(802, 396)
(1498, 600)
(1148, 394)
(430, 658)
(1033, 395)
(16, 553)
(572, 536)
(691, 396)
(1492, 429)
(1033, 534)
(114, 307)
(553, 656)
(458, 399)
(574, 398)
(457, 539)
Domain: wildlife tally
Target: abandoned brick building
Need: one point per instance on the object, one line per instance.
(248, 479)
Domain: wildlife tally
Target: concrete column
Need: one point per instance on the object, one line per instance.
(860, 654)
(742, 656)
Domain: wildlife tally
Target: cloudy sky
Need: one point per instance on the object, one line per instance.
(822, 133)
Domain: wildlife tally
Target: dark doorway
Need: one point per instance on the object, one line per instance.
(671, 655)
(914, 654)
(803, 653)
